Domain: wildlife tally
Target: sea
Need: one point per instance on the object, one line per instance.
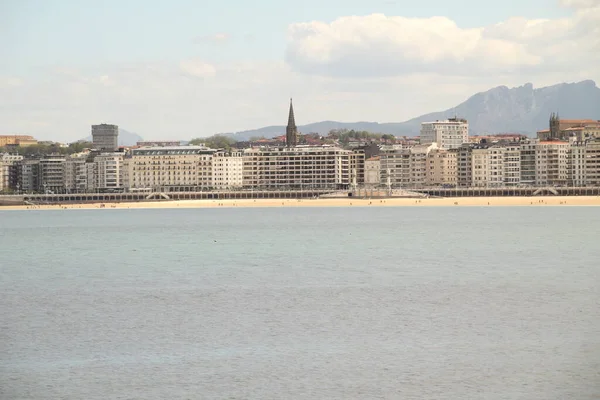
(301, 303)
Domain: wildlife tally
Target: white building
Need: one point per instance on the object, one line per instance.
(108, 171)
(418, 164)
(302, 167)
(227, 170)
(585, 163)
(6, 162)
(75, 173)
(448, 134)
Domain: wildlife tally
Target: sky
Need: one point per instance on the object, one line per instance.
(183, 69)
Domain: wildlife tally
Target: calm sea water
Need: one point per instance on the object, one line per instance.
(300, 303)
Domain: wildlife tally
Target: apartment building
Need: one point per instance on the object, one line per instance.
(512, 164)
(448, 134)
(395, 170)
(585, 163)
(301, 167)
(75, 173)
(418, 164)
(227, 170)
(552, 163)
(177, 168)
(441, 167)
(464, 175)
(51, 174)
(7, 161)
(108, 172)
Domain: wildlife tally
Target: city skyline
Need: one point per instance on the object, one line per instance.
(184, 73)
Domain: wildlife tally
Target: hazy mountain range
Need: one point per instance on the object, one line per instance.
(521, 109)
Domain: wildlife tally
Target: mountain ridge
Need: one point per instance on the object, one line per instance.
(522, 109)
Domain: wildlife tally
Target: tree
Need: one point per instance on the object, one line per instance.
(215, 142)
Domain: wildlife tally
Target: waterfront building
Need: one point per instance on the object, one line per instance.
(105, 137)
(76, 174)
(418, 164)
(512, 163)
(585, 163)
(302, 167)
(487, 166)
(7, 162)
(448, 134)
(108, 172)
(373, 171)
(227, 170)
(528, 162)
(552, 163)
(28, 176)
(395, 166)
(441, 167)
(176, 168)
(51, 174)
(464, 171)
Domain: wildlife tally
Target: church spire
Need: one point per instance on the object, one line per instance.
(291, 132)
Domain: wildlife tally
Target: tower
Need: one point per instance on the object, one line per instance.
(291, 132)
(554, 126)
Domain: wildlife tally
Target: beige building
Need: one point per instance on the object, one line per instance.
(302, 167)
(373, 171)
(552, 163)
(227, 170)
(75, 173)
(108, 171)
(395, 167)
(418, 164)
(177, 168)
(441, 167)
(585, 163)
(448, 134)
(17, 140)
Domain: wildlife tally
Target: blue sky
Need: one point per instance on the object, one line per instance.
(80, 33)
(96, 40)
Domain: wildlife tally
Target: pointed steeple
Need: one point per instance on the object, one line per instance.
(291, 132)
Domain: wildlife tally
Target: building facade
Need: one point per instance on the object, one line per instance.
(448, 134)
(227, 170)
(301, 167)
(105, 137)
(184, 168)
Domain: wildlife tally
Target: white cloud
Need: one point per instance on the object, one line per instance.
(380, 45)
(580, 3)
(198, 68)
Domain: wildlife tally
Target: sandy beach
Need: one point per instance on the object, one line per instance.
(537, 201)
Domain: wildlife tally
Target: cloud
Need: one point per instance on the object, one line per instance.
(380, 45)
(582, 4)
(216, 38)
(198, 68)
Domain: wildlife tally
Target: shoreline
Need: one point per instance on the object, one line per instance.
(328, 202)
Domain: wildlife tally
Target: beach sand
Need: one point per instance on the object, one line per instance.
(538, 201)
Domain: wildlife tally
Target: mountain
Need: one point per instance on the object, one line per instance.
(521, 109)
(126, 138)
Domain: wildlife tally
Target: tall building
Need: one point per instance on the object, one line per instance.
(291, 131)
(105, 137)
(448, 134)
